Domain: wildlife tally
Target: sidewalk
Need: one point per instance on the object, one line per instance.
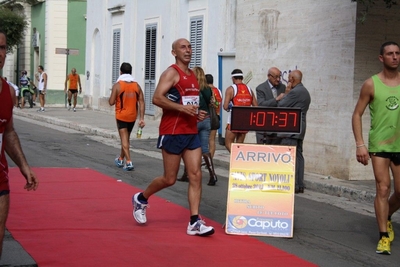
(103, 124)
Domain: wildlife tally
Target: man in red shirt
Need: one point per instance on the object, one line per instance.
(9, 143)
(238, 94)
(177, 93)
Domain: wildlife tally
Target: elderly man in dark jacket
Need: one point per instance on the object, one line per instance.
(269, 93)
(297, 97)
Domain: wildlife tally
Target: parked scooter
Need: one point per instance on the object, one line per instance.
(26, 96)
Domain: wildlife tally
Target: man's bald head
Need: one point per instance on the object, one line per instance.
(274, 76)
(295, 77)
(274, 71)
(177, 42)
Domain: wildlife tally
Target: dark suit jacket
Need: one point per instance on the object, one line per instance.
(298, 97)
(266, 98)
(264, 94)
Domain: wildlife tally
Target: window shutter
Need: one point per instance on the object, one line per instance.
(116, 54)
(196, 40)
(150, 67)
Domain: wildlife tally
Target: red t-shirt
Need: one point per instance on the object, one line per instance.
(185, 92)
(218, 98)
(242, 95)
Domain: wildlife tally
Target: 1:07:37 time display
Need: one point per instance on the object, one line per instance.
(284, 120)
(278, 118)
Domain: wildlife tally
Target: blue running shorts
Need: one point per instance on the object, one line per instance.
(175, 144)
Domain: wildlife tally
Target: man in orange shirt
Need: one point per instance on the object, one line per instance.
(74, 80)
(126, 94)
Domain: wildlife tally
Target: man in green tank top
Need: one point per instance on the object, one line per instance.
(381, 93)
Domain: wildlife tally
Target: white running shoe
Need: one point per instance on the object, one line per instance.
(139, 209)
(128, 166)
(199, 228)
(74, 109)
(69, 107)
(119, 162)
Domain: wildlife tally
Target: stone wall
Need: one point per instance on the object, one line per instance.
(318, 38)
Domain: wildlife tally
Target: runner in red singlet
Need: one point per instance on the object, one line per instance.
(238, 94)
(9, 143)
(177, 93)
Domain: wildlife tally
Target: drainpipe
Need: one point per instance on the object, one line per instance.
(17, 70)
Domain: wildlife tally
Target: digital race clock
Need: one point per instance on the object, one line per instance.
(266, 119)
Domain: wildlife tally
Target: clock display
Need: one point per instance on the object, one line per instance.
(280, 120)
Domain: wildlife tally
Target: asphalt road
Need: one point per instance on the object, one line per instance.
(328, 231)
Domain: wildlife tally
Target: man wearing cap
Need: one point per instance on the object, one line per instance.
(238, 94)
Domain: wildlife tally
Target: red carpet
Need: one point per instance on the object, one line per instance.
(79, 217)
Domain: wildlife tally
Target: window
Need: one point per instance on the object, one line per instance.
(196, 40)
(116, 54)
(150, 67)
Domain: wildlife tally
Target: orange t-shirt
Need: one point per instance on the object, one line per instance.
(126, 104)
(73, 81)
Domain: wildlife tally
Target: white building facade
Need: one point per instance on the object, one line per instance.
(141, 33)
(320, 38)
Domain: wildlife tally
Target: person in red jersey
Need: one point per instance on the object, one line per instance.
(238, 94)
(9, 143)
(177, 93)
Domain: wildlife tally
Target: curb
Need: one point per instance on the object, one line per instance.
(313, 182)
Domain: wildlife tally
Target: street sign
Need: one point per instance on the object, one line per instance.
(67, 51)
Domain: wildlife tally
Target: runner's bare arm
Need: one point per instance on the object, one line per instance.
(366, 95)
(65, 84)
(114, 92)
(228, 97)
(141, 108)
(12, 146)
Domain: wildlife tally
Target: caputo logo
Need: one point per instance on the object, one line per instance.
(239, 222)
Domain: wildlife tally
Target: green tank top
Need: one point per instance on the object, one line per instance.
(384, 134)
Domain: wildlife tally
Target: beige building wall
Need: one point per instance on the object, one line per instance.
(317, 38)
(334, 52)
(25, 47)
(320, 38)
(56, 37)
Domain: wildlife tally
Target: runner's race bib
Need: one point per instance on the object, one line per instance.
(190, 100)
